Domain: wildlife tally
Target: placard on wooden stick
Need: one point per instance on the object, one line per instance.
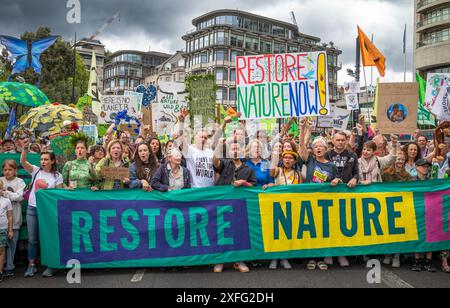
(397, 107)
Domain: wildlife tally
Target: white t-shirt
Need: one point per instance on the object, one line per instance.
(52, 180)
(5, 206)
(200, 165)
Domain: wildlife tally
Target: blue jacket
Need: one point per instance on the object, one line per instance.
(160, 180)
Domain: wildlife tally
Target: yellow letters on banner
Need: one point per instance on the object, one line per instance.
(314, 221)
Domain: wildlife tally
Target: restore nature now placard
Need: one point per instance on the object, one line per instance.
(282, 85)
(225, 224)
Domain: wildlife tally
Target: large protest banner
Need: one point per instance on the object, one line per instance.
(113, 104)
(171, 99)
(437, 98)
(283, 85)
(226, 224)
(397, 107)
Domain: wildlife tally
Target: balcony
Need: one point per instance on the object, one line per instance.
(429, 42)
(423, 5)
(433, 22)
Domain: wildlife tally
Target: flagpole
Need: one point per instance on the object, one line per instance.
(404, 52)
(371, 70)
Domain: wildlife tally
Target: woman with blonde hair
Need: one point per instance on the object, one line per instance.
(114, 158)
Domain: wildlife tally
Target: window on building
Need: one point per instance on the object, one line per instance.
(252, 43)
(122, 82)
(221, 55)
(233, 94)
(233, 75)
(278, 31)
(204, 57)
(266, 46)
(279, 48)
(221, 74)
(221, 94)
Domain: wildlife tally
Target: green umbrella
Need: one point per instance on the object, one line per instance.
(22, 94)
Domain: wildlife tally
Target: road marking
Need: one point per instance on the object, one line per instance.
(138, 276)
(393, 281)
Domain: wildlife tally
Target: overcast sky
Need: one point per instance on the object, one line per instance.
(159, 25)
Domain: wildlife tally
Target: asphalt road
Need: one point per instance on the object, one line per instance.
(202, 277)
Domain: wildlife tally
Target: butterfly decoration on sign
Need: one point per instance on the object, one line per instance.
(26, 54)
(149, 94)
(123, 116)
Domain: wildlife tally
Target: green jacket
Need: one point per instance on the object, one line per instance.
(105, 184)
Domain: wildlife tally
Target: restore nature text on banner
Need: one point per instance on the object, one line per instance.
(226, 224)
(282, 85)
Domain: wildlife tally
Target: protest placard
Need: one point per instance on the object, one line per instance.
(352, 101)
(283, 85)
(171, 99)
(397, 107)
(437, 98)
(341, 118)
(113, 104)
(202, 99)
(114, 173)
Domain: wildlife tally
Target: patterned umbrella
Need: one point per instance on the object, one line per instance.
(49, 119)
(23, 94)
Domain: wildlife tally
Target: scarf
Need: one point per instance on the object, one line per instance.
(370, 170)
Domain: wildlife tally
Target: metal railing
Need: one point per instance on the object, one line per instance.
(423, 3)
(433, 20)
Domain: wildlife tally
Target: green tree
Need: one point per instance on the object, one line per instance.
(57, 69)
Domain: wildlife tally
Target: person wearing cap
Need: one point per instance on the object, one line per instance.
(423, 171)
(284, 175)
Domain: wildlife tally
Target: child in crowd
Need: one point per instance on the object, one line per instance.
(6, 228)
(13, 188)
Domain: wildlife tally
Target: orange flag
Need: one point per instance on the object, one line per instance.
(371, 56)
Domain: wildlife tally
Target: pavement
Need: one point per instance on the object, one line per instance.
(354, 276)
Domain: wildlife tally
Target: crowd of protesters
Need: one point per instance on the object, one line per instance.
(348, 157)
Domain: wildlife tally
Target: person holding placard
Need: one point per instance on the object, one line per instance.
(112, 171)
(199, 157)
(143, 169)
(79, 173)
(43, 177)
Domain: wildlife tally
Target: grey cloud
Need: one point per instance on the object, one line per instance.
(170, 19)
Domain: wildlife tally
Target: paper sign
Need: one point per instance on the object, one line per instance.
(352, 101)
(437, 98)
(113, 173)
(397, 107)
(113, 104)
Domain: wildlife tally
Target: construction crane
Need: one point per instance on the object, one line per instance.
(294, 20)
(106, 25)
